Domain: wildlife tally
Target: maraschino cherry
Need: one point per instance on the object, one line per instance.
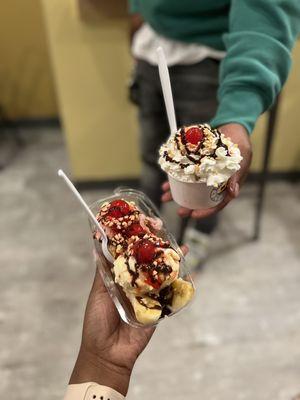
(135, 230)
(194, 135)
(156, 284)
(118, 208)
(144, 251)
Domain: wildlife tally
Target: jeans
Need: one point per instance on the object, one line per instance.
(195, 98)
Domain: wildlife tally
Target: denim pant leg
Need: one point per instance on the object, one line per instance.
(195, 98)
(195, 91)
(154, 129)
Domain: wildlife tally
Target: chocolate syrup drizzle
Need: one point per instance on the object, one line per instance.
(156, 307)
(165, 296)
(221, 144)
(171, 160)
(189, 152)
(134, 274)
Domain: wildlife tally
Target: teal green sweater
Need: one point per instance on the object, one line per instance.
(258, 36)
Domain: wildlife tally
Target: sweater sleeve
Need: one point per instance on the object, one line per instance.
(133, 6)
(258, 44)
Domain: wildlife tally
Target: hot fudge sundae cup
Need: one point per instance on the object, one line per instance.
(199, 161)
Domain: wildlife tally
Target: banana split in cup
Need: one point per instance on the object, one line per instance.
(199, 161)
(148, 279)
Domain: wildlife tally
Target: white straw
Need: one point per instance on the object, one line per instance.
(166, 88)
(80, 199)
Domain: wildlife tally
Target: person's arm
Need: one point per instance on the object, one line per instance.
(136, 21)
(134, 6)
(261, 36)
(109, 347)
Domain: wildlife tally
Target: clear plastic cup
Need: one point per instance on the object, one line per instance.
(116, 292)
(195, 195)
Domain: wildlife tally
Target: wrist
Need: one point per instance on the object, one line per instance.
(238, 134)
(233, 127)
(89, 367)
(136, 21)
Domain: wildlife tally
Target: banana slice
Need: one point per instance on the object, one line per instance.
(147, 310)
(183, 292)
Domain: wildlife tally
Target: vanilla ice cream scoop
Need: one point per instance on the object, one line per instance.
(146, 267)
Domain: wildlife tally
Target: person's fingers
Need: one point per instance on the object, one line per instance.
(237, 190)
(184, 212)
(184, 249)
(98, 284)
(165, 186)
(233, 187)
(166, 197)
(98, 300)
(199, 214)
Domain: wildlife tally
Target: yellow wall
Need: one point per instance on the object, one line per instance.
(91, 64)
(286, 149)
(26, 85)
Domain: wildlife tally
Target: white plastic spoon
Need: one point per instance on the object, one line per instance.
(105, 250)
(166, 88)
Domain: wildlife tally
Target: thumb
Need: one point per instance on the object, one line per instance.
(101, 266)
(233, 187)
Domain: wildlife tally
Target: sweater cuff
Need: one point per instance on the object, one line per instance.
(240, 106)
(90, 391)
(134, 6)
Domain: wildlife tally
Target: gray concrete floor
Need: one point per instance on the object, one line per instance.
(239, 340)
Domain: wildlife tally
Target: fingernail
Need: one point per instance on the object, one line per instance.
(232, 187)
(236, 190)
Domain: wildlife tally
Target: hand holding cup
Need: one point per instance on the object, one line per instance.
(239, 136)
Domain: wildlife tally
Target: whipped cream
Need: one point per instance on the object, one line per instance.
(212, 160)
